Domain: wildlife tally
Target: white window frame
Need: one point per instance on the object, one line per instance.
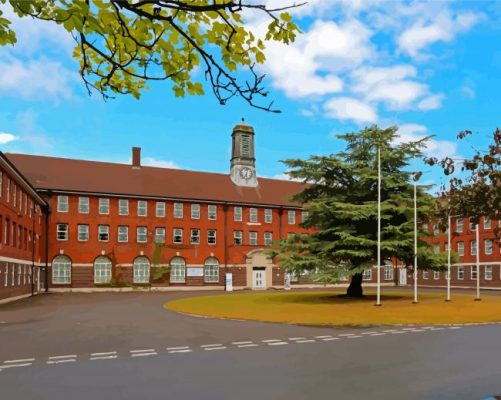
(488, 272)
(304, 216)
(82, 232)
(473, 272)
(473, 247)
(142, 208)
(61, 270)
(367, 274)
(253, 238)
(62, 235)
(177, 232)
(436, 275)
(159, 235)
(460, 248)
(488, 245)
(63, 203)
(268, 238)
(141, 270)
(178, 210)
(123, 231)
(160, 209)
(211, 236)
(460, 273)
(291, 217)
(195, 211)
(103, 230)
(268, 215)
(238, 237)
(102, 270)
(426, 274)
(487, 223)
(104, 206)
(459, 225)
(211, 270)
(178, 270)
(212, 212)
(83, 205)
(388, 272)
(197, 236)
(436, 248)
(237, 214)
(123, 206)
(253, 215)
(141, 234)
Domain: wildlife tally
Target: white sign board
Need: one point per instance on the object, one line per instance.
(229, 282)
(287, 283)
(194, 271)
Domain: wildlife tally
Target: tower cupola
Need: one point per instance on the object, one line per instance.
(243, 161)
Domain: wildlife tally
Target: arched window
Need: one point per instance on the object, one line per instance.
(102, 270)
(211, 270)
(177, 269)
(141, 268)
(61, 270)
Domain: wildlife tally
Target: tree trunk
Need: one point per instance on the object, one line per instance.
(355, 288)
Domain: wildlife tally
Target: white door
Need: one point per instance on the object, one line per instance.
(259, 279)
(403, 276)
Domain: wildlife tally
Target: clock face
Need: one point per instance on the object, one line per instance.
(246, 173)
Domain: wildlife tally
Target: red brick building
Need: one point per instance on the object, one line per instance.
(94, 225)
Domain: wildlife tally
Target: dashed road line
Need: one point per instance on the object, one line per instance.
(398, 332)
(247, 345)
(328, 339)
(62, 357)
(354, 336)
(322, 336)
(244, 342)
(418, 330)
(103, 358)
(369, 332)
(210, 345)
(305, 341)
(215, 348)
(68, 360)
(271, 340)
(142, 351)
(24, 360)
(108, 353)
(15, 365)
(278, 343)
(346, 334)
(296, 338)
(177, 348)
(179, 351)
(378, 334)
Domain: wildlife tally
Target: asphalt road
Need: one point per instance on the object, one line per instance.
(126, 346)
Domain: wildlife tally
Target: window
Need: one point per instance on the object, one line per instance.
(487, 223)
(488, 272)
(123, 207)
(62, 203)
(62, 231)
(253, 238)
(141, 234)
(473, 247)
(388, 272)
(253, 215)
(177, 236)
(141, 270)
(237, 237)
(142, 208)
(436, 249)
(1, 184)
(460, 273)
(103, 233)
(8, 190)
(304, 216)
(14, 195)
(237, 214)
(426, 274)
(195, 236)
(61, 270)
(102, 270)
(291, 236)
(459, 225)
(473, 272)
(159, 235)
(268, 215)
(268, 238)
(436, 229)
(212, 212)
(436, 275)
(195, 211)
(367, 274)
(245, 145)
(104, 206)
(291, 217)
(160, 209)
(488, 246)
(83, 205)
(472, 226)
(211, 236)
(123, 234)
(211, 270)
(461, 248)
(83, 233)
(178, 210)
(177, 269)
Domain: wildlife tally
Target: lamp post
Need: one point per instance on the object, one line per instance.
(415, 234)
(448, 258)
(378, 291)
(478, 263)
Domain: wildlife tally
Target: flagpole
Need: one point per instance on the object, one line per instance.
(378, 296)
(415, 235)
(478, 264)
(449, 245)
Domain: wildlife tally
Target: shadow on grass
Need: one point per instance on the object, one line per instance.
(328, 298)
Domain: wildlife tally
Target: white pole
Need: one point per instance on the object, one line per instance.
(478, 264)
(449, 245)
(415, 235)
(378, 300)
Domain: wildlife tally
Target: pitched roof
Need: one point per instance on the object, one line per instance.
(62, 174)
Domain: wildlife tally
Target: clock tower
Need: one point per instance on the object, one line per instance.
(243, 162)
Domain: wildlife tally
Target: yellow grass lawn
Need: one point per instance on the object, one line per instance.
(330, 308)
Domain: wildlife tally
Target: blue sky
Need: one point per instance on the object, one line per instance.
(429, 67)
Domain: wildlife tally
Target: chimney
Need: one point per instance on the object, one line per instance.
(136, 157)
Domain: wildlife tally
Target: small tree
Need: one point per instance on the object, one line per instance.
(123, 44)
(341, 196)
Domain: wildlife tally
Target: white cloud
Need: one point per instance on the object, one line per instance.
(434, 148)
(431, 102)
(346, 108)
(7, 137)
(154, 162)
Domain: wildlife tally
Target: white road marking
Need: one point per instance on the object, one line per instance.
(178, 348)
(215, 348)
(247, 345)
(61, 357)
(418, 330)
(454, 327)
(305, 341)
(14, 365)
(397, 332)
(19, 361)
(378, 334)
(330, 338)
(277, 343)
(271, 340)
(346, 334)
(408, 329)
(427, 327)
(142, 351)
(353, 337)
(61, 361)
(245, 342)
(211, 345)
(322, 336)
(103, 358)
(153, 353)
(108, 353)
(437, 329)
(180, 351)
(296, 338)
(369, 333)
(389, 330)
